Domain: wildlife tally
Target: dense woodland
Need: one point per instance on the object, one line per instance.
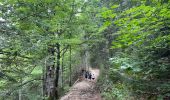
(45, 43)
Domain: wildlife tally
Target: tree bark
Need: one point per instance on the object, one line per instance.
(44, 77)
(20, 91)
(57, 69)
(50, 74)
(70, 68)
(62, 69)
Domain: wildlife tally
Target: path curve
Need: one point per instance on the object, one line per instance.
(85, 89)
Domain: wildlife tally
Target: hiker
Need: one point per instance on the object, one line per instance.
(90, 76)
(86, 74)
(93, 77)
(83, 72)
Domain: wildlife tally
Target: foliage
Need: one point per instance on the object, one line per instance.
(128, 39)
(28, 28)
(140, 41)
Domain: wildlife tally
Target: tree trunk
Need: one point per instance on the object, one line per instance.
(62, 63)
(20, 94)
(44, 77)
(62, 69)
(70, 68)
(57, 69)
(20, 91)
(50, 74)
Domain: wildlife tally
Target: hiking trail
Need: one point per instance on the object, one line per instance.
(84, 89)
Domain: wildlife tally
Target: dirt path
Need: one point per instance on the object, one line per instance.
(85, 89)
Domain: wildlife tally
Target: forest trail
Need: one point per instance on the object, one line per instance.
(85, 89)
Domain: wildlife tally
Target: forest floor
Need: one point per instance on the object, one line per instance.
(84, 89)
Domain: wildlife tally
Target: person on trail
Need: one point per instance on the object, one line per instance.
(86, 74)
(83, 72)
(93, 77)
(90, 76)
